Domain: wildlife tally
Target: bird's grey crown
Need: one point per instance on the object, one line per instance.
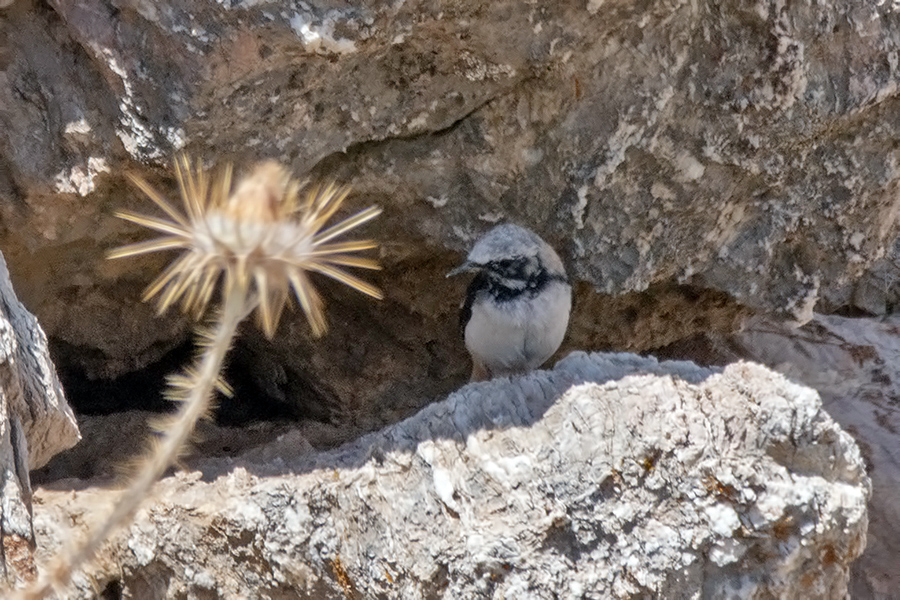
(505, 241)
(510, 241)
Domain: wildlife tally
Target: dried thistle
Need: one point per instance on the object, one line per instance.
(261, 242)
(261, 238)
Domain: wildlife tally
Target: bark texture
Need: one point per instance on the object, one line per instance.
(35, 423)
(612, 476)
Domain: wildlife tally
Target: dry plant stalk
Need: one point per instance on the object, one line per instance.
(260, 242)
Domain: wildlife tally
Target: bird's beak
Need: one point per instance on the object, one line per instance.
(463, 268)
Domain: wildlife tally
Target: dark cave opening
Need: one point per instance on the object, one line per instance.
(119, 417)
(144, 389)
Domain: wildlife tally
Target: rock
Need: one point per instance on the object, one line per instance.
(740, 149)
(35, 423)
(611, 476)
(854, 363)
(31, 390)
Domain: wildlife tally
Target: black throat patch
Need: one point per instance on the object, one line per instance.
(512, 282)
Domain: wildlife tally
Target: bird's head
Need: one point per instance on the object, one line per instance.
(511, 255)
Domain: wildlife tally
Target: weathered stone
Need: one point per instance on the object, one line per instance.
(745, 148)
(691, 160)
(855, 366)
(29, 384)
(35, 423)
(610, 476)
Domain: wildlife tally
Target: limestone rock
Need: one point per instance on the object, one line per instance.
(744, 148)
(612, 476)
(35, 423)
(854, 363)
(31, 390)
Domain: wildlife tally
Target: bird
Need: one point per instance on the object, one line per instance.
(516, 309)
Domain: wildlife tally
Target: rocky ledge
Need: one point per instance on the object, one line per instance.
(612, 476)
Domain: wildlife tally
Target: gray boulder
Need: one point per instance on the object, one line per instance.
(611, 476)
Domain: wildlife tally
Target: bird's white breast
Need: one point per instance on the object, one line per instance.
(521, 334)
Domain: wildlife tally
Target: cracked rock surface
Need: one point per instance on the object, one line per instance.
(693, 162)
(611, 476)
(36, 422)
(853, 363)
(742, 148)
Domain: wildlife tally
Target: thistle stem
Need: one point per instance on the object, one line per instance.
(195, 405)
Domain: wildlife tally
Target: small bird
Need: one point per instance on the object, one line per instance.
(517, 308)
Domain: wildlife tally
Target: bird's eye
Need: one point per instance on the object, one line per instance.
(510, 267)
